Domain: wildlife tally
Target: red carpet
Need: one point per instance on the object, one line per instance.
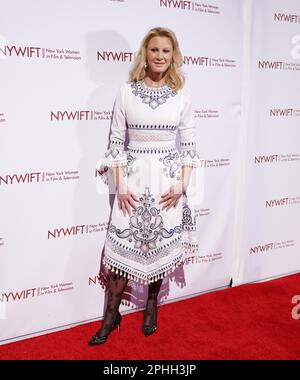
(251, 321)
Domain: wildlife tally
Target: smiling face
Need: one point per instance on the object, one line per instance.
(159, 54)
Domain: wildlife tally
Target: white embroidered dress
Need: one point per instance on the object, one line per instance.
(151, 242)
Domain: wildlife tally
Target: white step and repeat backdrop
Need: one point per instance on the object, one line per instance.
(61, 63)
(267, 234)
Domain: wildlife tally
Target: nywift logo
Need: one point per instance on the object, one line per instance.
(80, 115)
(266, 158)
(287, 201)
(112, 56)
(276, 202)
(19, 51)
(25, 294)
(225, 63)
(275, 158)
(278, 65)
(67, 231)
(76, 230)
(284, 17)
(284, 112)
(38, 52)
(190, 6)
(274, 65)
(270, 247)
(12, 179)
(36, 177)
(70, 115)
(18, 295)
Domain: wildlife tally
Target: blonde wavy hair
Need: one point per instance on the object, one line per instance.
(174, 76)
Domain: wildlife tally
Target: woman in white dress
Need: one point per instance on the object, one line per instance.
(152, 224)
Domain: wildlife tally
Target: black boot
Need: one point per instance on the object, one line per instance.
(150, 315)
(112, 317)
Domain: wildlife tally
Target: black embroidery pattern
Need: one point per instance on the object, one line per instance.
(116, 143)
(188, 223)
(130, 161)
(152, 126)
(152, 150)
(172, 163)
(154, 97)
(145, 226)
(187, 144)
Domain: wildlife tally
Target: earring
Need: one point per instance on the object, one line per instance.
(146, 64)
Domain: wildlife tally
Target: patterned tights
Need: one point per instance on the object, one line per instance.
(116, 287)
(153, 291)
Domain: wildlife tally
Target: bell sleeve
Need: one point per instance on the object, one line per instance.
(115, 155)
(188, 153)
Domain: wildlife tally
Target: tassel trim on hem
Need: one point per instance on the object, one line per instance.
(137, 279)
(187, 247)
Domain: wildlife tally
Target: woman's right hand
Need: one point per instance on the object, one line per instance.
(126, 199)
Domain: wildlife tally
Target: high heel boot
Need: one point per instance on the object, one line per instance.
(99, 339)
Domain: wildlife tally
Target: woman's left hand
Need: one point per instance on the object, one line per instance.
(172, 196)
